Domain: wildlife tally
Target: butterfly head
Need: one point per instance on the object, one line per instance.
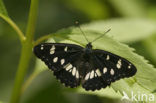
(88, 48)
(89, 45)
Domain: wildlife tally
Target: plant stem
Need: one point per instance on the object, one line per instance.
(14, 26)
(53, 35)
(42, 39)
(25, 53)
(29, 81)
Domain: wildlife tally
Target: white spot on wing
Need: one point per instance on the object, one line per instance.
(62, 61)
(87, 76)
(112, 72)
(65, 49)
(70, 70)
(129, 66)
(98, 72)
(118, 65)
(52, 50)
(95, 75)
(55, 59)
(92, 74)
(68, 66)
(42, 47)
(53, 47)
(104, 70)
(77, 74)
(119, 61)
(107, 57)
(74, 71)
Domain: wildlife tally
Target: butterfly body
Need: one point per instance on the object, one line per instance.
(74, 65)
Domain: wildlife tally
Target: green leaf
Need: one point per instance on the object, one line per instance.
(95, 9)
(143, 82)
(145, 79)
(150, 46)
(4, 15)
(107, 92)
(3, 10)
(151, 12)
(129, 8)
(124, 30)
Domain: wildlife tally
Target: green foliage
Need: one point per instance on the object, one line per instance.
(4, 15)
(26, 47)
(125, 29)
(129, 8)
(129, 30)
(3, 11)
(99, 11)
(150, 47)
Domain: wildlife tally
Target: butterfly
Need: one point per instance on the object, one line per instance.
(74, 65)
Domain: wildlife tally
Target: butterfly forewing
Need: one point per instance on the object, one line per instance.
(56, 55)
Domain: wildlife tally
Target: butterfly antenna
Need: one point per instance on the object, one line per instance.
(78, 25)
(101, 35)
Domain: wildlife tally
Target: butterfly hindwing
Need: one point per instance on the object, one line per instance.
(68, 78)
(93, 79)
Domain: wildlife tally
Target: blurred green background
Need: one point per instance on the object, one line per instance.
(55, 15)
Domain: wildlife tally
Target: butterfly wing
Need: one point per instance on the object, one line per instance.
(106, 68)
(60, 58)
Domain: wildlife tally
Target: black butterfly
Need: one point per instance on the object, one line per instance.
(74, 65)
